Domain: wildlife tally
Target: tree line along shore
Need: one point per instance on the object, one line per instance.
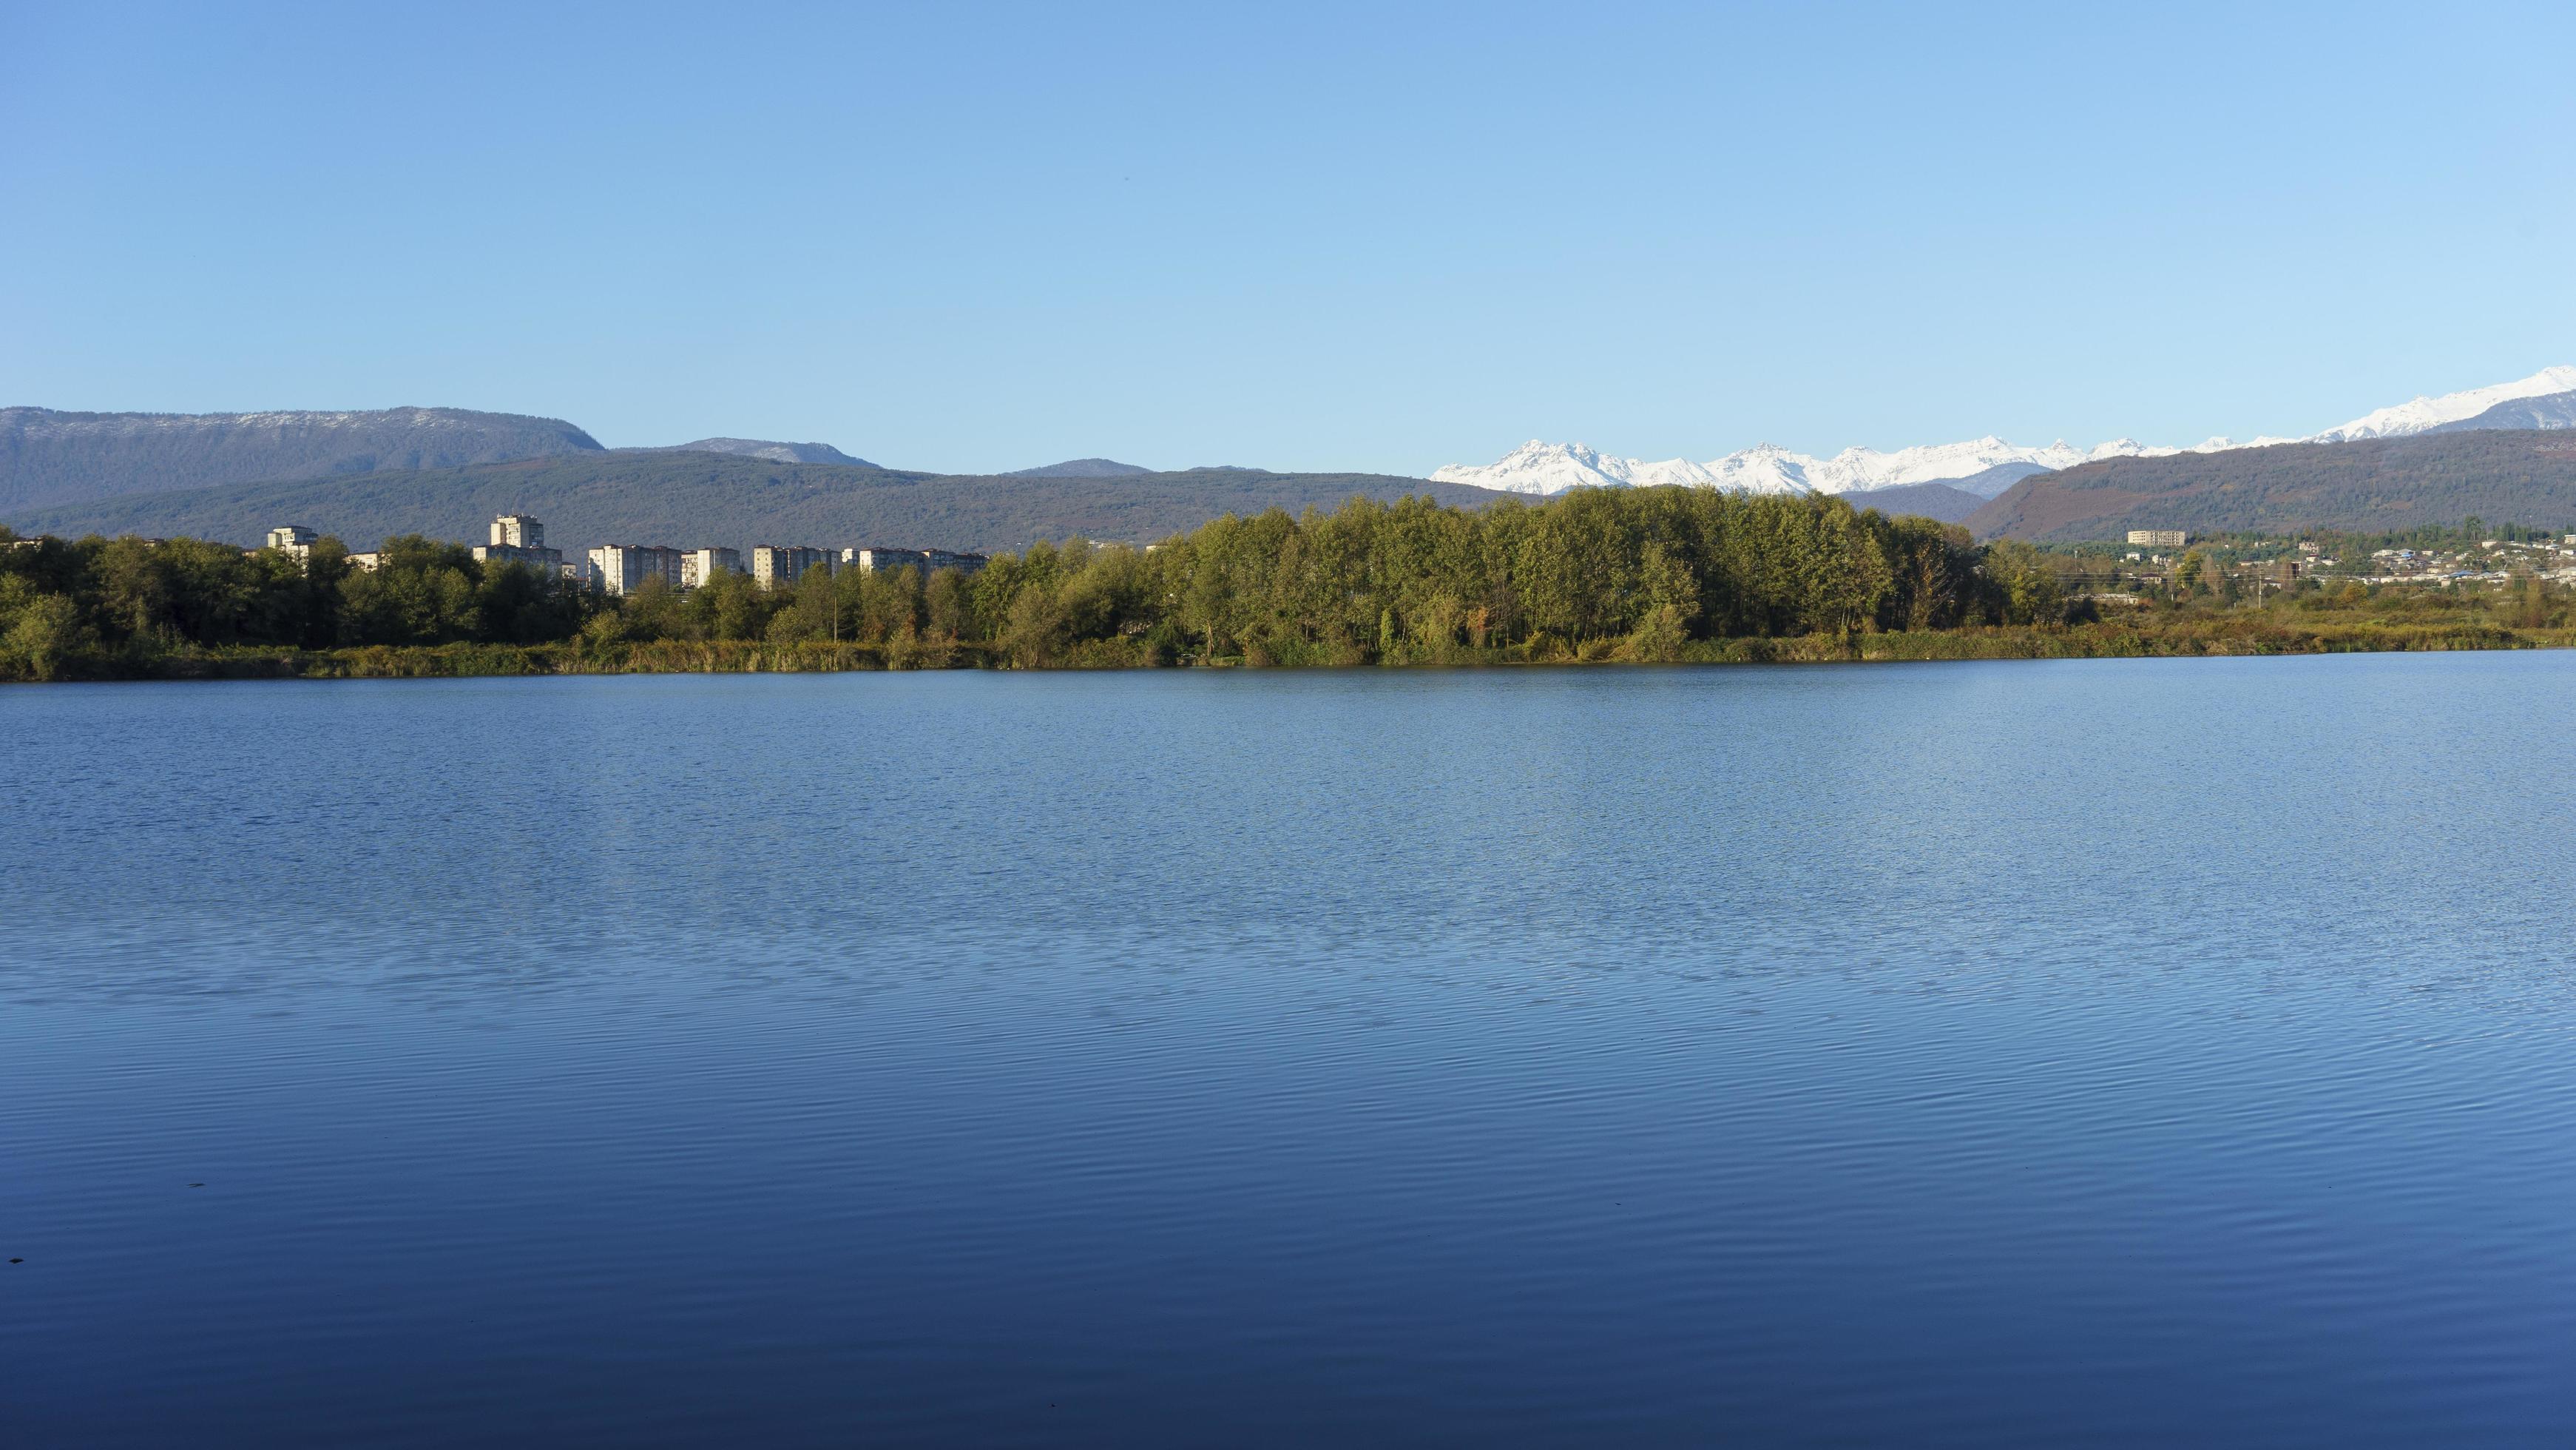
(1639, 575)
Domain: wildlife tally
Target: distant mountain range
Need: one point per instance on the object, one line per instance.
(1988, 466)
(1081, 468)
(50, 457)
(1112, 468)
(2550, 391)
(1923, 500)
(694, 498)
(1984, 466)
(445, 471)
(2365, 485)
(2549, 410)
(774, 452)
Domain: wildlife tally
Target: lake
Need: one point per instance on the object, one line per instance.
(2030, 1053)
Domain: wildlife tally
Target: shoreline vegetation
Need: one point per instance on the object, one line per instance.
(1649, 575)
(2074, 642)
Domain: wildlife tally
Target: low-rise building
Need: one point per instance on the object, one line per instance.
(2159, 538)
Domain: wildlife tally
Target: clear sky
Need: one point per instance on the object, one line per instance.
(1307, 236)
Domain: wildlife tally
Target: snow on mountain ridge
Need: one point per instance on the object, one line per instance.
(1538, 467)
(59, 423)
(2424, 413)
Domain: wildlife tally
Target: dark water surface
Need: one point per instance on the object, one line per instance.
(2135, 1052)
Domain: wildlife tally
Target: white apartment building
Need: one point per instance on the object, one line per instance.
(519, 539)
(928, 561)
(776, 564)
(621, 569)
(698, 566)
(294, 541)
(871, 561)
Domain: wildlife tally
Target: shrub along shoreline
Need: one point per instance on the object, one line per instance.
(2021, 642)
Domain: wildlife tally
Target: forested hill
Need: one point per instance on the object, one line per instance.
(695, 499)
(2369, 486)
(57, 458)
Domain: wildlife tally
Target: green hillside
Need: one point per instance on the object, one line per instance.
(2373, 486)
(695, 499)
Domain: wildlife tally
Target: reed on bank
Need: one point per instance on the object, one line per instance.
(2008, 642)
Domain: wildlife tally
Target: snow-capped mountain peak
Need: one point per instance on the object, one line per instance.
(2425, 413)
(1539, 467)
(1542, 467)
(1983, 466)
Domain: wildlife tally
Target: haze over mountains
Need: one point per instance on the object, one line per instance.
(695, 498)
(1081, 468)
(52, 457)
(1112, 468)
(365, 475)
(774, 452)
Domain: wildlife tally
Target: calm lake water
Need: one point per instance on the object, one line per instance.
(2145, 1052)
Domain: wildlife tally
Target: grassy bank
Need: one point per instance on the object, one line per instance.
(2174, 637)
(449, 661)
(2178, 638)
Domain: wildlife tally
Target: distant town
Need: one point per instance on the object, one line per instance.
(617, 570)
(622, 569)
(2159, 562)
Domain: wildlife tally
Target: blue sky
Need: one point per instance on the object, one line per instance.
(1314, 236)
